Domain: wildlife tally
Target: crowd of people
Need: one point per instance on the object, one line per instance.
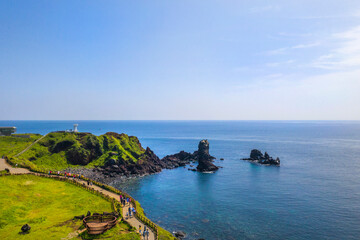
(126, 201)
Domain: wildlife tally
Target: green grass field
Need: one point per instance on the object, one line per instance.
(48, 206)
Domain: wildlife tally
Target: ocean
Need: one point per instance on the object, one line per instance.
(314, 194)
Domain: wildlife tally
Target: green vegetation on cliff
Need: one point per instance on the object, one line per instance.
(49, 207)
(60, 150)
(12, 145)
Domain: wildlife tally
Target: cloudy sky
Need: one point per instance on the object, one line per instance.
(188, 59)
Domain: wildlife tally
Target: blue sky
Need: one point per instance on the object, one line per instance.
(180, 60)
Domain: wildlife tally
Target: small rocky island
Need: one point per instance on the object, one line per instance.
(257, 157)
(202, 156)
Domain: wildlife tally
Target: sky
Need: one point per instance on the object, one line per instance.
(180, 60)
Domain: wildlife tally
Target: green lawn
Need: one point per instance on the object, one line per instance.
(48, 206)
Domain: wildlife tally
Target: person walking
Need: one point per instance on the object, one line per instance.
(140, 229)
(144, 234)
(129, 210)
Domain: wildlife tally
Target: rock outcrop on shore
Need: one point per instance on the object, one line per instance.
(202, 156)
(149, 163)
(257, 156)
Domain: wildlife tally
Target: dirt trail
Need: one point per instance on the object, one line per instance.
(4, 164)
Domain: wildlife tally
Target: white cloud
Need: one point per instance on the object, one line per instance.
(345, 54)
(267, 8)
(277, 64)
(285, 49)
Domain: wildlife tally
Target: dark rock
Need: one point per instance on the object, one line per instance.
(257, 156)
(221, 159)
(25, 228)
(204, 158)
(180, 234)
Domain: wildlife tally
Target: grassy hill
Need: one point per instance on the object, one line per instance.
(49, 207)
(60, 150)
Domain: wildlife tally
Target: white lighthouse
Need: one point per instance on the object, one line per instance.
(75, 127)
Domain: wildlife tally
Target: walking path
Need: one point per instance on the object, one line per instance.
(30, 146)
(132, 221)
(4, 164)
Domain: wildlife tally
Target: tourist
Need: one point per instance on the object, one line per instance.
(140, 229)
(58, 173)
(129, 210)
(134, 211)
(144, 234)
(147, 234)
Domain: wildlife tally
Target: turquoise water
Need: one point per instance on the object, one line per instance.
(315, 194)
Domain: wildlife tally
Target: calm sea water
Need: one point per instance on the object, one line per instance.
(315, 194)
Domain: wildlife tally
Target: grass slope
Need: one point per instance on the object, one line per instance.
(12, 145)
(49, 206)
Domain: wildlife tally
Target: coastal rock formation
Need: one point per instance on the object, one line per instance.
(257, 156)
(112, 155)
(202, 156)
(178, 160)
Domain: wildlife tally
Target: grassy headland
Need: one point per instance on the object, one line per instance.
(60, 150)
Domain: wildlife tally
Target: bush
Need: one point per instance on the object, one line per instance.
(77, 155)
(62, 145)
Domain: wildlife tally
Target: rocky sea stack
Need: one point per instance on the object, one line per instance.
(257, 156)
(202, 156)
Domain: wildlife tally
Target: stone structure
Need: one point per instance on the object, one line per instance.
(7, 131)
